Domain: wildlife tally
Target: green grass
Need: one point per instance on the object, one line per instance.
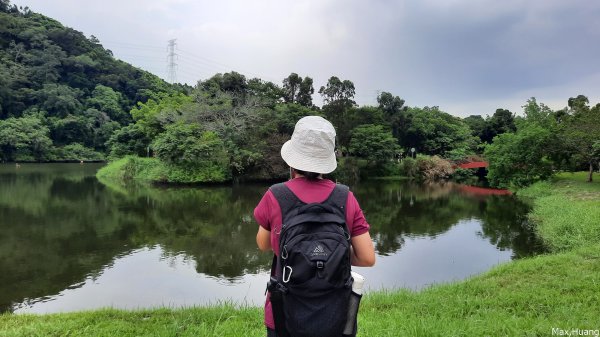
(566, 211)
(527, 297)
(224, 320)
(133, 168)
(524, 298)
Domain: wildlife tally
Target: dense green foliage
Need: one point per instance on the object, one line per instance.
(250, 119)
(64, 97)
(66, 86)
(374, 143)
(502, 121)
(546, 141)
(431, 131)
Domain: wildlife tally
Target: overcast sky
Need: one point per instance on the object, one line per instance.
(467, 57)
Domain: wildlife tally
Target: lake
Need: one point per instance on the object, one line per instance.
(69, 242)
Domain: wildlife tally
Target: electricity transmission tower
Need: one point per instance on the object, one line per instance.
(172, 66)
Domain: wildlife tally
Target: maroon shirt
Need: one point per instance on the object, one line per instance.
(268, 215)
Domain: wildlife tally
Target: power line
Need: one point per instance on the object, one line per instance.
(191, 57)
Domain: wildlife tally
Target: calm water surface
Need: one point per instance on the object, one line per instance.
(70, 242)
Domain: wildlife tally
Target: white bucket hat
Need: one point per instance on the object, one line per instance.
(312, 147)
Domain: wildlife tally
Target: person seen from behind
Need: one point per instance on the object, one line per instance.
(310, 153)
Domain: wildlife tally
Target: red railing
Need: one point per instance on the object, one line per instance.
(474, 164)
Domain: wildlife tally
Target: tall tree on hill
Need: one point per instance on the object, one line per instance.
(393, 111)
(305, 92)
(298, 90)
(270, 92)
(338, 96)
(291, 87)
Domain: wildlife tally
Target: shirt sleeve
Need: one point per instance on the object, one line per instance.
(263, 210)
(357, 224)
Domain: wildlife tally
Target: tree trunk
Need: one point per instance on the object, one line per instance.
(591, 172)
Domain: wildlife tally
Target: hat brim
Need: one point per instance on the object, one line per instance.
(303, 162)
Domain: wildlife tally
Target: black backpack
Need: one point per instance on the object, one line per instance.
(310, 282)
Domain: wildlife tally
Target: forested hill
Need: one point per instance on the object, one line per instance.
(62, 94)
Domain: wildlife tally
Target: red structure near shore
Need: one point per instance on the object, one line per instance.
(474, 164)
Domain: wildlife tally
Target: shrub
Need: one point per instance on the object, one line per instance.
(433, 168)
(77, 152)
(409, 168)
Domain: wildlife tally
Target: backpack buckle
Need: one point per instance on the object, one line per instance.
(320, 265)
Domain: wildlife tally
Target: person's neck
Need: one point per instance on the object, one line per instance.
(298, 175)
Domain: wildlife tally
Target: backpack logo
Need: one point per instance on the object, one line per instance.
(319, 251)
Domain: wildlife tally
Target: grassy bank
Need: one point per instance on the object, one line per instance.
(153, 170)
(566, 211)
(528, 297)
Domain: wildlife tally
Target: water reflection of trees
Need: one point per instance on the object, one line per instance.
(48, 241)
(56, 230)
(397, 210)
(61, 226)
(212, 224)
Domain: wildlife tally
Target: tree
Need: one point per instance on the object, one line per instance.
(502, 121)
(232, 83)
(581, 131)
(58, 100)
(521, 158)
(338, 92)
(107, 100)
(477, 125)
(24, 139)
(578, 104)
(148, 115)
(286, 115)
(367, 115)
(374, 143)
(393, 110)
(291, 86)
(131, 139)
(298, 90)
(4, 5)
(305, 92)
(101, 126)
(186, 144)
(539, 114)
(188, 147)
(338, 97)
(71, 129)
(432, 131)
(268, 91)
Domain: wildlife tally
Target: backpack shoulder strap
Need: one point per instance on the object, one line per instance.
(339, 196)
(286, 198)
